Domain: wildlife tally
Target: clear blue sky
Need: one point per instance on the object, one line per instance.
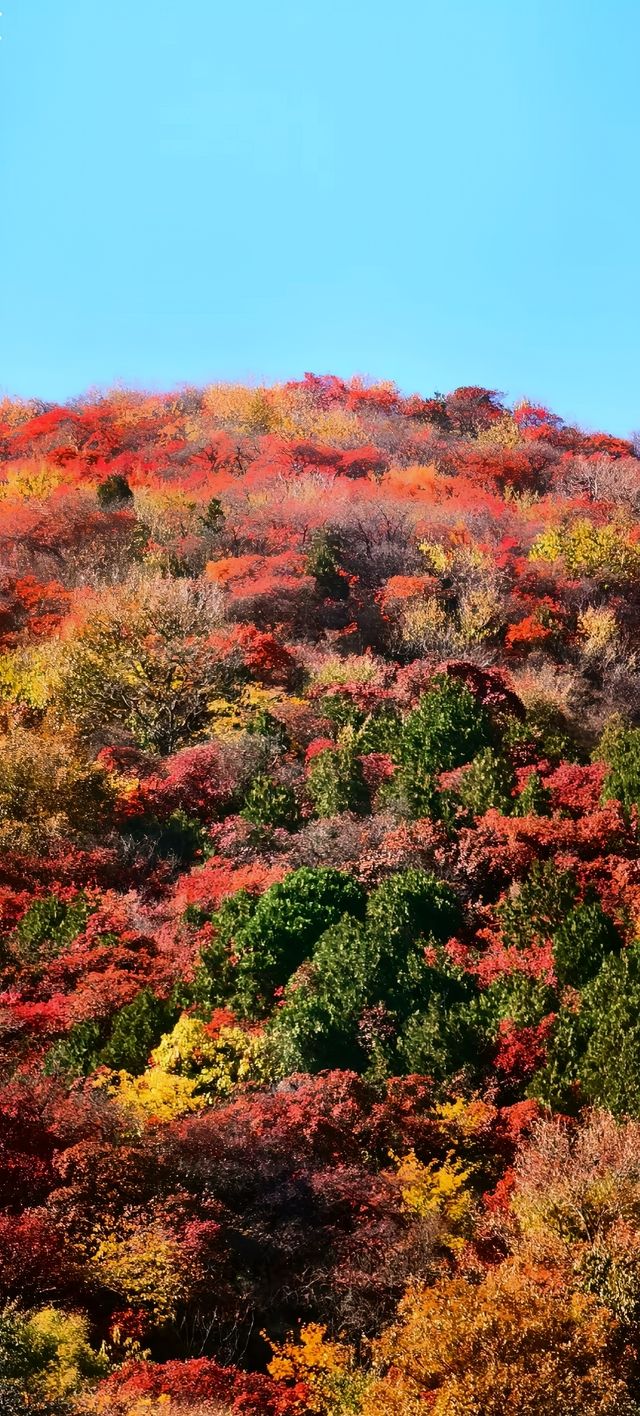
(433, 193)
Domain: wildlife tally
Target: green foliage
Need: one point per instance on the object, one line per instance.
(181, 837)
(447, 729)
(366, 982)
(518, 997)
(534, 799)
(610, 1015)
(556, 1083)
(317, 1025)
(288, 920)
(124, 1042)
(271, 937)
(443, 1039)
(270, 803)
(44, 1358)
(582, 942)
(335, 782)
(545, 729)
(324, 564)
(341, 711)
(381, 732)
(114, 492)
(136, 1029)
(77, 1054)
(594, 1054)
(420, 795)
(411, 904)
(213, 983)
(213, 516)
(619, 747)
(48, 926)
(538, 907)
(264, 724)
(487, 783)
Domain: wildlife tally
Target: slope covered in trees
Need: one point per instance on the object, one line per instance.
(319, 906)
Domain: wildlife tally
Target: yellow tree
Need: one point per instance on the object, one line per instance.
(513, 1345)
(142, 660)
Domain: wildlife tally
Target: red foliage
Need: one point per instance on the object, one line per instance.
(202, 1379)
(281, 1196)
(267, 660)
(521, 1050)
(576, 788)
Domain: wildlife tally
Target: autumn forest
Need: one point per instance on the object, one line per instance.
(319, 906)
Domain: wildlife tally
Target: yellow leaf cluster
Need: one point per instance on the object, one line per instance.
(436, 555)
(156, 1095)
(436, 1190)
(479, 616)
(142, 1264)
(590, 550)
(31, 675)
(229, 717)
(597, 629)
(215, 1065)
(65, 1337)
(424, 626)
(510, 1344)
(504, 433)
(344, 668)
(30, 481)
(465, 1118)
(326, 1368)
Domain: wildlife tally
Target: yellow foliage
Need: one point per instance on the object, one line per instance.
(47, 789)
(424, 626)
(107, 1404)
(229, 717)
(284, 412)
(313, 1353)
(144, 1265)
(597, 628)
(168, 513)
(156, 1095)
(466, 1119)
(16, 411)
(511, 1344)
(339, 427)
(523, 499)
(215, 1065)
(590, 550)
(436, 1190)
(30, 481)
(344, 668)
(503, 433)
(479, 616)
(326, 1368)
(31, 675)
(226, 718)
(227, 403)
(64, 1338)
(437, 557)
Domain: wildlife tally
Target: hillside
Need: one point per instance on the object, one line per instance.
(319, 906)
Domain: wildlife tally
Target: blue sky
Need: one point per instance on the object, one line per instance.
(432, 193)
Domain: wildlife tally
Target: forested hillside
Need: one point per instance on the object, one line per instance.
(319, 906)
